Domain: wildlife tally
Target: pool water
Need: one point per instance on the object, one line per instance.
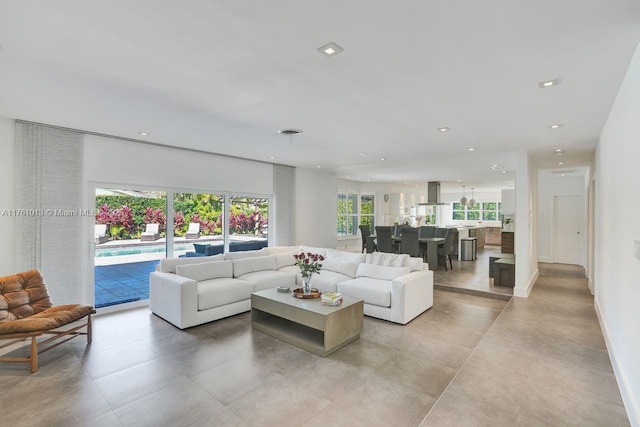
(103, 252)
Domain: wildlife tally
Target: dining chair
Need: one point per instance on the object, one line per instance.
(396, 230)
(440, 232)
(427, 231)
(368, 243)
(410, 244)
(446, 249)
(383, 236)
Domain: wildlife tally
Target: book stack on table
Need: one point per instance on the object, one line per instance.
(331, 298)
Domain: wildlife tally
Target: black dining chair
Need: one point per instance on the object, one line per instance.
(440, 232)
(383, 236)
(427, 231)
(410, 244)
(368, 243)
(445, 251)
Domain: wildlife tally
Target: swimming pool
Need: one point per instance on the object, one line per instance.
(136, 250)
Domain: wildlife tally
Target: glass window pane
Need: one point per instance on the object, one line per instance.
(489, 206)
(457, 206)
(489, 215)
(353, 204)
(367, 204)
(342, 203)
(197, 222)
(248, 223)
(458, 214)
(474, 208)
(352, 225)
(473, 215)
(342, 225)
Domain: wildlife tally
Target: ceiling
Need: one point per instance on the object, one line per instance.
(226, 76)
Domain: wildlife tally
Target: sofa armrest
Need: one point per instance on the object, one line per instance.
(411, 294)
(174, 298)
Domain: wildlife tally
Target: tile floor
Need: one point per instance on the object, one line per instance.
(467, 361)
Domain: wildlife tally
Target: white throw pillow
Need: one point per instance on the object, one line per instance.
(249, 265)
(206, 270)
(415, 264)
(383, 258)
(168, 265)
(382, 272)
(343, 256)
(285, 259)
(346, 268)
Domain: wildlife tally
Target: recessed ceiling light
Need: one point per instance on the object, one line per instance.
(445, 129)
(382, 158)
(458, 180)
(143, 133)
(471, 149)
(318, 166)
(549, 83)
(272, 158)
(560, 163)
(563, 175)
(364, 153)
(558, 151)
(504, 171)
(330, 49)
(556, 126)
(405, 183)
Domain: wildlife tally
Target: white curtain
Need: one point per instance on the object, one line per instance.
(48, 198)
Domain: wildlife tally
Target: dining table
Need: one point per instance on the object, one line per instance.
(431, 249)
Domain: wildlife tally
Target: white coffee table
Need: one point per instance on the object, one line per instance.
(307, 323)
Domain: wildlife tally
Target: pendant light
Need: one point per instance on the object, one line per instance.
(472, 202)
(463, 200)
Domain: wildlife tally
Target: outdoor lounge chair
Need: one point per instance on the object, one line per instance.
(151, 232)
(26, 311)
(194, 231)
(101, 233)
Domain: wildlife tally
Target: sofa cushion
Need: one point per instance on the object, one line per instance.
(382, 272)
(200, 248)
(319, 251)
(218, 292)
(347, 268)
(244, 254)
(415, 264)
(249, 265)
(168, 265)
(206, 270)
(371, 291)
(293, 269)
(382, 258)
(325, 281)
(343, 256)
(266, 279)
(273, 250)
(285, 259)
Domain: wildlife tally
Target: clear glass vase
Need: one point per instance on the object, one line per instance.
(306, 285)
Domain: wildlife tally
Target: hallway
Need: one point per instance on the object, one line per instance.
(542, 362)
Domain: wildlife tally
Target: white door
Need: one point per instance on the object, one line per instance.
(566, 229)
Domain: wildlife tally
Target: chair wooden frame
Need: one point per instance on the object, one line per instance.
(63, 335)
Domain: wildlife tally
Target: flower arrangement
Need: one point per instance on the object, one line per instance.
(308, 263)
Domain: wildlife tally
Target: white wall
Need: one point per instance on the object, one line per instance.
(7, 196)
(548, 187)
(112, 160)
(525, 226)
(316, 208)
(617, 271)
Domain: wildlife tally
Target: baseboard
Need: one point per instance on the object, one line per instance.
(590, 283)
(545, 259)
(524, 292)
(630, 403)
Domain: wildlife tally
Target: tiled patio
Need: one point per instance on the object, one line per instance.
(120, 283)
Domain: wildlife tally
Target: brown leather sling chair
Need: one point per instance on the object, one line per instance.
(26, 311)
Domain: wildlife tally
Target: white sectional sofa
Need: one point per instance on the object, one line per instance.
(190, 291)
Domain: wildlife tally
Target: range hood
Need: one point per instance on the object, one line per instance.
(433, 194)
